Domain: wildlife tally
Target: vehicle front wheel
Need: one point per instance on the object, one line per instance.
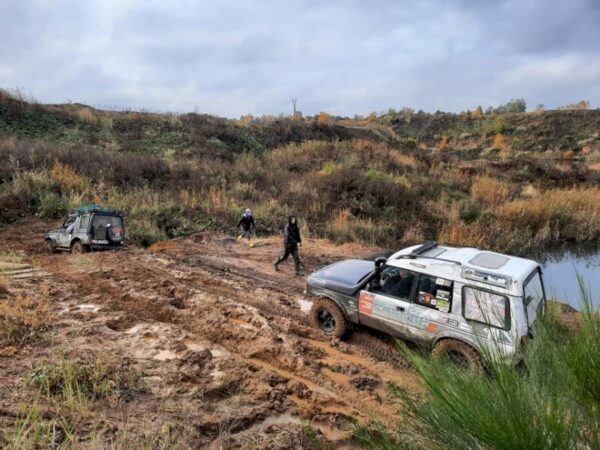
(458, 353)
(50, 248)
(78, 248)
(329, 318)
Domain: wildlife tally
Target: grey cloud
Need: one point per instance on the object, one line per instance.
(344, 56)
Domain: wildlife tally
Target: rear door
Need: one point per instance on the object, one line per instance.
(384, 305)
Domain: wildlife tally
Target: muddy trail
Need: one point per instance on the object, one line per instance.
(223, 343)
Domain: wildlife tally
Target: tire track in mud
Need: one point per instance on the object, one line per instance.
(252, 316)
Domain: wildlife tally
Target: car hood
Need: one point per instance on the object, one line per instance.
(343, 276)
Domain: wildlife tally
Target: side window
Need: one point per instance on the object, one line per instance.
(85, 221)
(394, 282)
(486, 307)
(434, 292)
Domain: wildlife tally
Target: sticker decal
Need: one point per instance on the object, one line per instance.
(365, 303)
(432, 327)
(450, 322)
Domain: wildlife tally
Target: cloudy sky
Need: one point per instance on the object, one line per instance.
(342, 56)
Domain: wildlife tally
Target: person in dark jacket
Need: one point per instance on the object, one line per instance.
(291, 242)
(245, 223)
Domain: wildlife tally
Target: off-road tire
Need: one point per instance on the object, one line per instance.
(78, 248)
(459, 353)
(50, 248)
(329, 318)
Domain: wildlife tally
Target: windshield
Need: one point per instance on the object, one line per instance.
(105, 221)
(533, 296)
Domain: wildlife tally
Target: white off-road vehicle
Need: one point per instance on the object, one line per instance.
(460, 301)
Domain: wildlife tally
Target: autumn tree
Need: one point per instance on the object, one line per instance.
(246, 120)
(478, 113)
(324, 117)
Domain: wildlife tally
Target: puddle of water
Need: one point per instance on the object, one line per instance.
(560, 268)
(305, 305)
(165, 355)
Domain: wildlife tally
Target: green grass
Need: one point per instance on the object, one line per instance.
(552, 402)
(87, 379)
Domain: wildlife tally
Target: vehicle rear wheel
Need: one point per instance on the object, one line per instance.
(50, 248)
(78, 248)
(458, 353)
(329, 318)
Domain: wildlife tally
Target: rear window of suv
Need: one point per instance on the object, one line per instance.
(104, 221)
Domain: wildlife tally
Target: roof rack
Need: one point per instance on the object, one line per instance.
(426, 246)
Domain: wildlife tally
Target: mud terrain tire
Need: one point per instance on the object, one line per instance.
(78, 248)
(50, 248)
(329, 318)
(458, 353)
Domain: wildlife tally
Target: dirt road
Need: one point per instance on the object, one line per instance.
(223, 342)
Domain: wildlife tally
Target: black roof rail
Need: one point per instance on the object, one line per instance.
(425, 246)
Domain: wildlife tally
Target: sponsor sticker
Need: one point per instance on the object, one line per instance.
(432, 327)
(365, 303)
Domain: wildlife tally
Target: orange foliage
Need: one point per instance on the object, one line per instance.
(66, 176)
(324, 117)
(499, 142)
(372, 117)
(443, 142)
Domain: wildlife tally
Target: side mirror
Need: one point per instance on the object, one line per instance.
(380, 261)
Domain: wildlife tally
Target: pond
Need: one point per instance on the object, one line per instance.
(560, 268)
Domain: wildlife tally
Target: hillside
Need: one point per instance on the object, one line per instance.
(543, 133)
(510, 182)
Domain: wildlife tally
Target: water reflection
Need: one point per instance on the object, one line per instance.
(560, 267)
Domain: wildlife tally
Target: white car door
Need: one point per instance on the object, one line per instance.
(386, 303)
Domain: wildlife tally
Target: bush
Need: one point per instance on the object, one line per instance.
(52, 206)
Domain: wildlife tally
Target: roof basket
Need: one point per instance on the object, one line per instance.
(93, 208)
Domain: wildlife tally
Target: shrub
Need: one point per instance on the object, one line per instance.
(52, 206)
(489, 191)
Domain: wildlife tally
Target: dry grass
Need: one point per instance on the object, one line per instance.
(67, 177)
(22, 320)
(4, 291)
(489, 191)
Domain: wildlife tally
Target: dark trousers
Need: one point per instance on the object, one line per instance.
(291, 250)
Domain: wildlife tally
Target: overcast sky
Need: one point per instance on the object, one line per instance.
(345, 57)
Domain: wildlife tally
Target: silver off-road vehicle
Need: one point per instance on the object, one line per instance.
(88, 228)
(461, 302)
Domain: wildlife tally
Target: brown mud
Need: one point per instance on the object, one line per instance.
(223, 342)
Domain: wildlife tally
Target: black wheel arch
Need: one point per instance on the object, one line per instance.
(337, 303)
